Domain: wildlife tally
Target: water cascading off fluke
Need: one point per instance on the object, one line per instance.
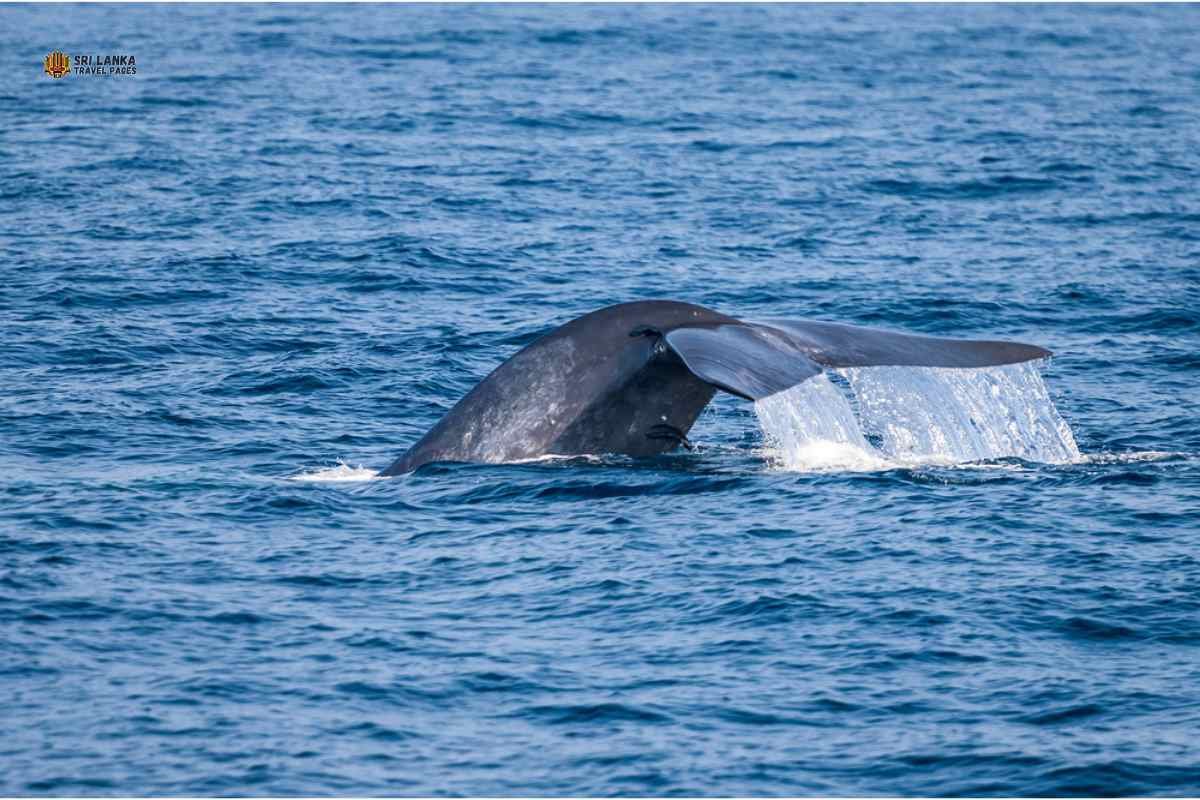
(898, 416)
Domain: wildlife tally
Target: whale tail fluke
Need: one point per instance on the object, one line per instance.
(632, 378)
(756, 359)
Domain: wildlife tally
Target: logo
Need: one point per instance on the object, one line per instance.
(57, 64)
(105, 65)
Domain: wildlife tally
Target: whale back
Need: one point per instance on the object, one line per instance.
(588, 386)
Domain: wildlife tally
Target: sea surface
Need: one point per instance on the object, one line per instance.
(235, 285)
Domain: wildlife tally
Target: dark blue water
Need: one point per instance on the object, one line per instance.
(299, 234)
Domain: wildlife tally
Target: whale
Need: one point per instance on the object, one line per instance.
(632, 378)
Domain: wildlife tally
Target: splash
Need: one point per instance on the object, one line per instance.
(812, 426)
(341, 473)
(899, 416)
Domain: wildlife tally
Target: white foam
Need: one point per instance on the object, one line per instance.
(342, 473)
(1133, 457)
(591, 458)
(915, 416)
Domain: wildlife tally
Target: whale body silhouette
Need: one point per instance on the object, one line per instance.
(632, 378)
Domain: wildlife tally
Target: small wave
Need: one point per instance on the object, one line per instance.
(999, 186)
(1132, 457)
(1060, 716)
(341, 473)
(593, 713)
(823, 455)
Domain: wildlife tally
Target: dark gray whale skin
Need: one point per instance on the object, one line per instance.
(632, 378)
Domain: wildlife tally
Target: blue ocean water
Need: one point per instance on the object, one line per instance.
(299, 234)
